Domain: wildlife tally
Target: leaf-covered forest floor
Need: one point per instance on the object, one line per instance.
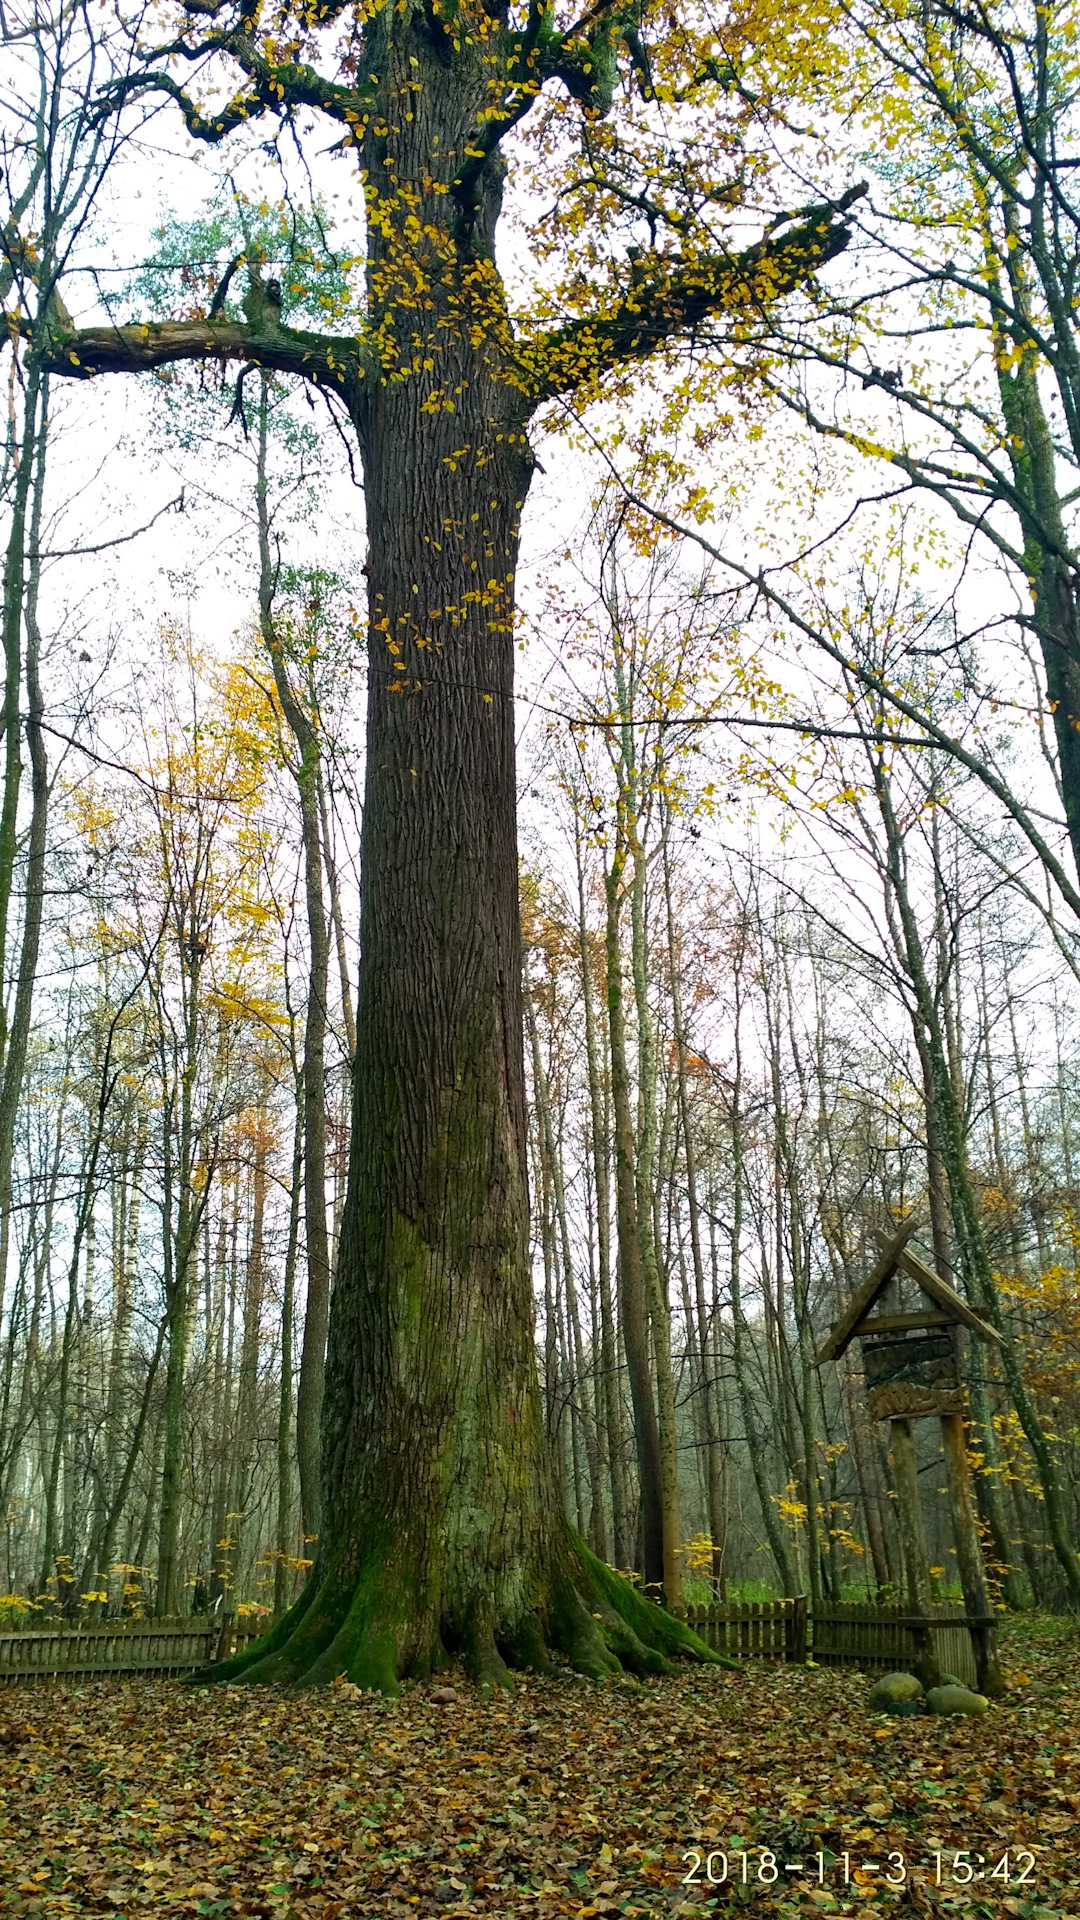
(564, 1798)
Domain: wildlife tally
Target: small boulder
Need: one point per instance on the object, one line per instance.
(955, 1699)
(444, 1695)
(896, 1693)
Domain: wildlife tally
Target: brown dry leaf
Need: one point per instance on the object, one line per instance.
(560, 1799)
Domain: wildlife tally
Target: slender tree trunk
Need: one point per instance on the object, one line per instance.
(989, 1490)
(1053, 588)
(100, 1557)
(646, 1182)
(1032, 1167)
(308, 779)
(284, 1543)
(770, 1518)
(707, 1387)
(598, 1106)
(180, 1238)
(69, 1336)
(976, 1263)
(580, 1409)
(633, 1308)
(348, 1012)
(30, 461)
(245, 1457)
(13, 1051)
(969, 1556)
(787, 1187)
(218, 1558)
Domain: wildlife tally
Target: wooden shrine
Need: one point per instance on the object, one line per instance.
(912, 1363)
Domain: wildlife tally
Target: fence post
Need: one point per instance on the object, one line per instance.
(797, 1631)
(224, 1639)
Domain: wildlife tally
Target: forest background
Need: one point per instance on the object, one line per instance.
(799, 817)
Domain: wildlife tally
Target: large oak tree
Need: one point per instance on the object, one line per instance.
(442, 1529)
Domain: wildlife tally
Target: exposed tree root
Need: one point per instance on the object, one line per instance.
(372, 1632)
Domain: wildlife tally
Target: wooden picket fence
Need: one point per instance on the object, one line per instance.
(753, 1629)
(87, 1648)
(857, 1635)
(868, 1636)
(878, 1637)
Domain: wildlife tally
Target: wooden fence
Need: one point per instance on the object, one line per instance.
(867, 1636)
(754, 1630)
(864, 1635)
(882, 1637)
(68, 1649)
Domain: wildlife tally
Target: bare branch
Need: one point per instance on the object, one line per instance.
(105, 546)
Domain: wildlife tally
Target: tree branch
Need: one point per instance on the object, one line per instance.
(325, 359)
(106, 546)
(668, 298)
(877, 684)
(275, 87)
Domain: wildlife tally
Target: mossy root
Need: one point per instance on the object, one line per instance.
(483, 1661)
(525, 1647)
(261, 1660)
(372, 1632)
(663, 1633)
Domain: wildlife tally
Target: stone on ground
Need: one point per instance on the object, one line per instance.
(896, 1693)
(955, 1699)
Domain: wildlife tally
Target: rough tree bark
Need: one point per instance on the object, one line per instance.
(443, 1529)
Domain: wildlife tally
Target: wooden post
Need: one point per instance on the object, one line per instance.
(797, 1643)
(969, 1558)
(225, 1638)
(916, 1551)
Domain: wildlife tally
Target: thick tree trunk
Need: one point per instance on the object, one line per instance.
(442, 1531)
(442, 1528)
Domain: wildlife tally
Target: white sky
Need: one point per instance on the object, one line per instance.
(110, 474)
